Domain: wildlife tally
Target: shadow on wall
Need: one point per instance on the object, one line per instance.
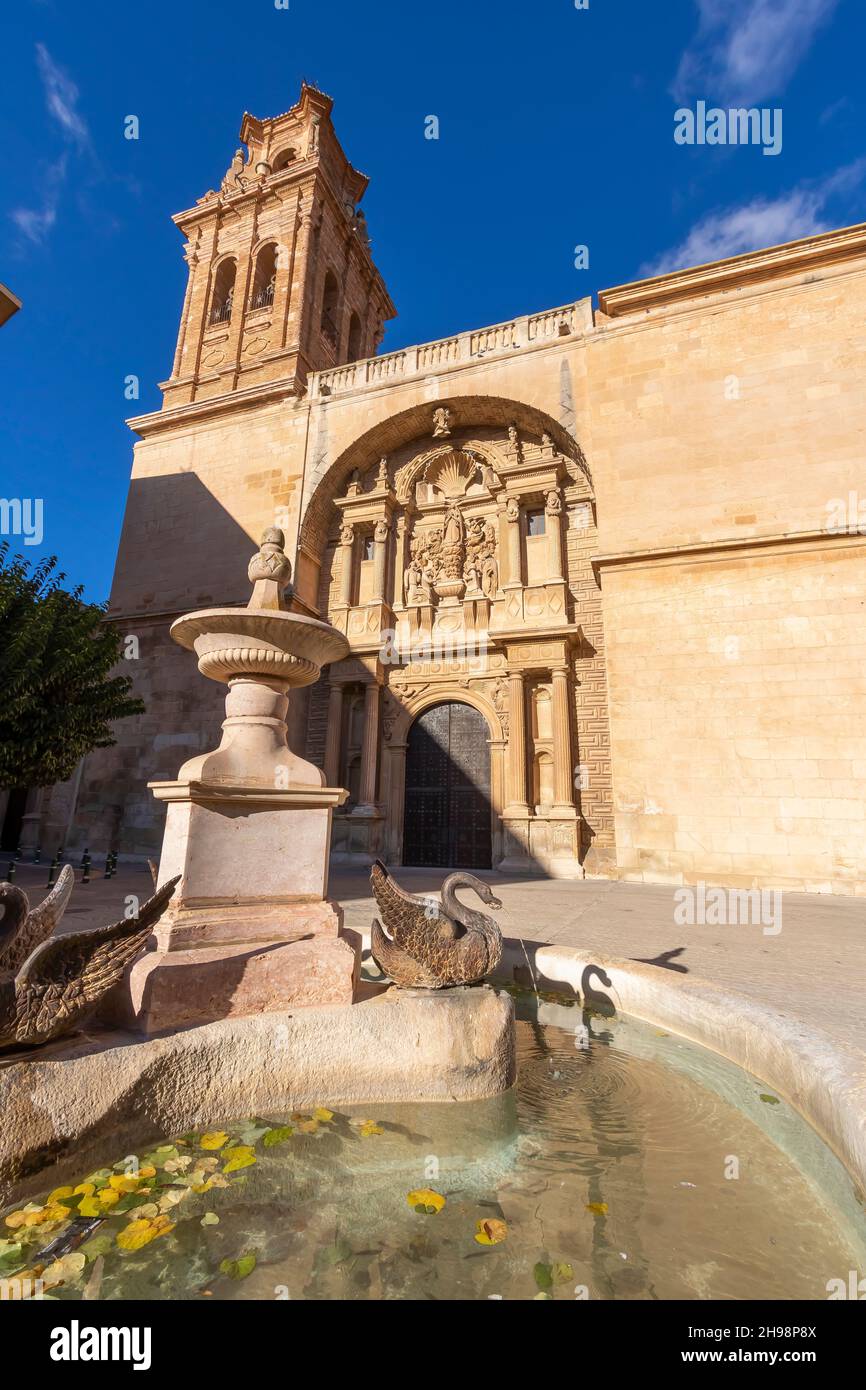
(179, 550)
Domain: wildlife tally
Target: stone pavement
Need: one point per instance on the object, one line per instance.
(814, 970)
(815, 967)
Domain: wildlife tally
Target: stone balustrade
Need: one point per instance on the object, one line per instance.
(569, 321)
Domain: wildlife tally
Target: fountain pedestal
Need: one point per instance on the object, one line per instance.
(248, 829)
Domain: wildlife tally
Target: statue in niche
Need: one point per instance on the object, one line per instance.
(472, 576)
(354, 487)
(489, 576)
(441, 427)
(382, 475)
(481, 556)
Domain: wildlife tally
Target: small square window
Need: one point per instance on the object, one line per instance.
(535, 522)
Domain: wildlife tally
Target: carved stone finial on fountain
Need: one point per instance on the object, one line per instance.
(248, 827)
(270, 572)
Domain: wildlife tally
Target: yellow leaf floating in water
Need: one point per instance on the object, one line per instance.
(213, 1140)
(322, 1115)
(123, 1182)
(62, 1271)
(490, 1232)
(240, 1157)
(141, 1232)
(425, 1200)
(210, 1218)
(368, 1128)
(57, 1194)
(598, 1208)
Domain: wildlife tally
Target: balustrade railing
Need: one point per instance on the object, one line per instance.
(568, 321)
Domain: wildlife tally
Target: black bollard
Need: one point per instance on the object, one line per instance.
(11, 873)
(52, 872)
(85, 866)
(37, 855)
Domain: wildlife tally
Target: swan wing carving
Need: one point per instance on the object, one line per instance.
(15, 906)
(39, 922)
(428, 946)
(67, 976)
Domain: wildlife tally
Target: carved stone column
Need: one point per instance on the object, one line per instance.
(347, 544)
(369, 752)
(553, 513)
(515, 568)
(333, 735)
(398, 598)
(562, 754)
(516, 780)
(380, 560)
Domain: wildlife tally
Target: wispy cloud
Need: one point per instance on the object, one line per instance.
(61, 99)
(36, 223)
(761, 222)
(747, 50)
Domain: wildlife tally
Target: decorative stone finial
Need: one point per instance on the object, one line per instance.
(270, 572)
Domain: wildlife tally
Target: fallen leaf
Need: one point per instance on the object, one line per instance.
(277, 1136)
(543, 1275)
(61, 1271)
(210, 1218)
(490, 1232)
(369, 1128)
(214, 1139)
(425, 1200)
(561, 1273)
(769, 1100)
(238, 1269)
(58, 1193)
(141, 1232)
(322, 1115)
(598, 1208)
(241, 1156)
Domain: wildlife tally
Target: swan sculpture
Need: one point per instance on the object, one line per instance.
(23, 928)
(429, 946)
(65, 977)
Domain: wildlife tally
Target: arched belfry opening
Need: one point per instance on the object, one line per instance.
(447, 809)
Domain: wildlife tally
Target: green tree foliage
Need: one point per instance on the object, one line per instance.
(57, 696)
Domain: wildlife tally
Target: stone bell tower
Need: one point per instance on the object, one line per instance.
(281, 277)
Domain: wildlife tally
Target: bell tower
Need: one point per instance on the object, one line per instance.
(281, 277)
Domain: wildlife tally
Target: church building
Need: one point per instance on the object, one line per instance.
(602, 568)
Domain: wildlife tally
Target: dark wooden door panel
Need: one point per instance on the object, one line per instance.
(447, 813)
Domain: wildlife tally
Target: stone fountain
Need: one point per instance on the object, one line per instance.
(248, 829)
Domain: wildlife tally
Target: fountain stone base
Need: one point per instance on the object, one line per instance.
(250, 929)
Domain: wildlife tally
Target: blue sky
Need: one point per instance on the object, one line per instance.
(556, 130)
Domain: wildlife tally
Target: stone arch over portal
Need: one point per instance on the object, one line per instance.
(329, 476)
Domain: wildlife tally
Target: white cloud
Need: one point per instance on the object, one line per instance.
(61, 98)
(761, 222)
(36, 223)
(747, 50)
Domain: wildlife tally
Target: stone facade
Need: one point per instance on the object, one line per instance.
(610, 533)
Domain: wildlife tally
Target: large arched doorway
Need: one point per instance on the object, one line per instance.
(447, 822)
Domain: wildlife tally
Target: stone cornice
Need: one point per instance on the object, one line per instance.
(735, 272)
(727, 548)
(197, 411)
